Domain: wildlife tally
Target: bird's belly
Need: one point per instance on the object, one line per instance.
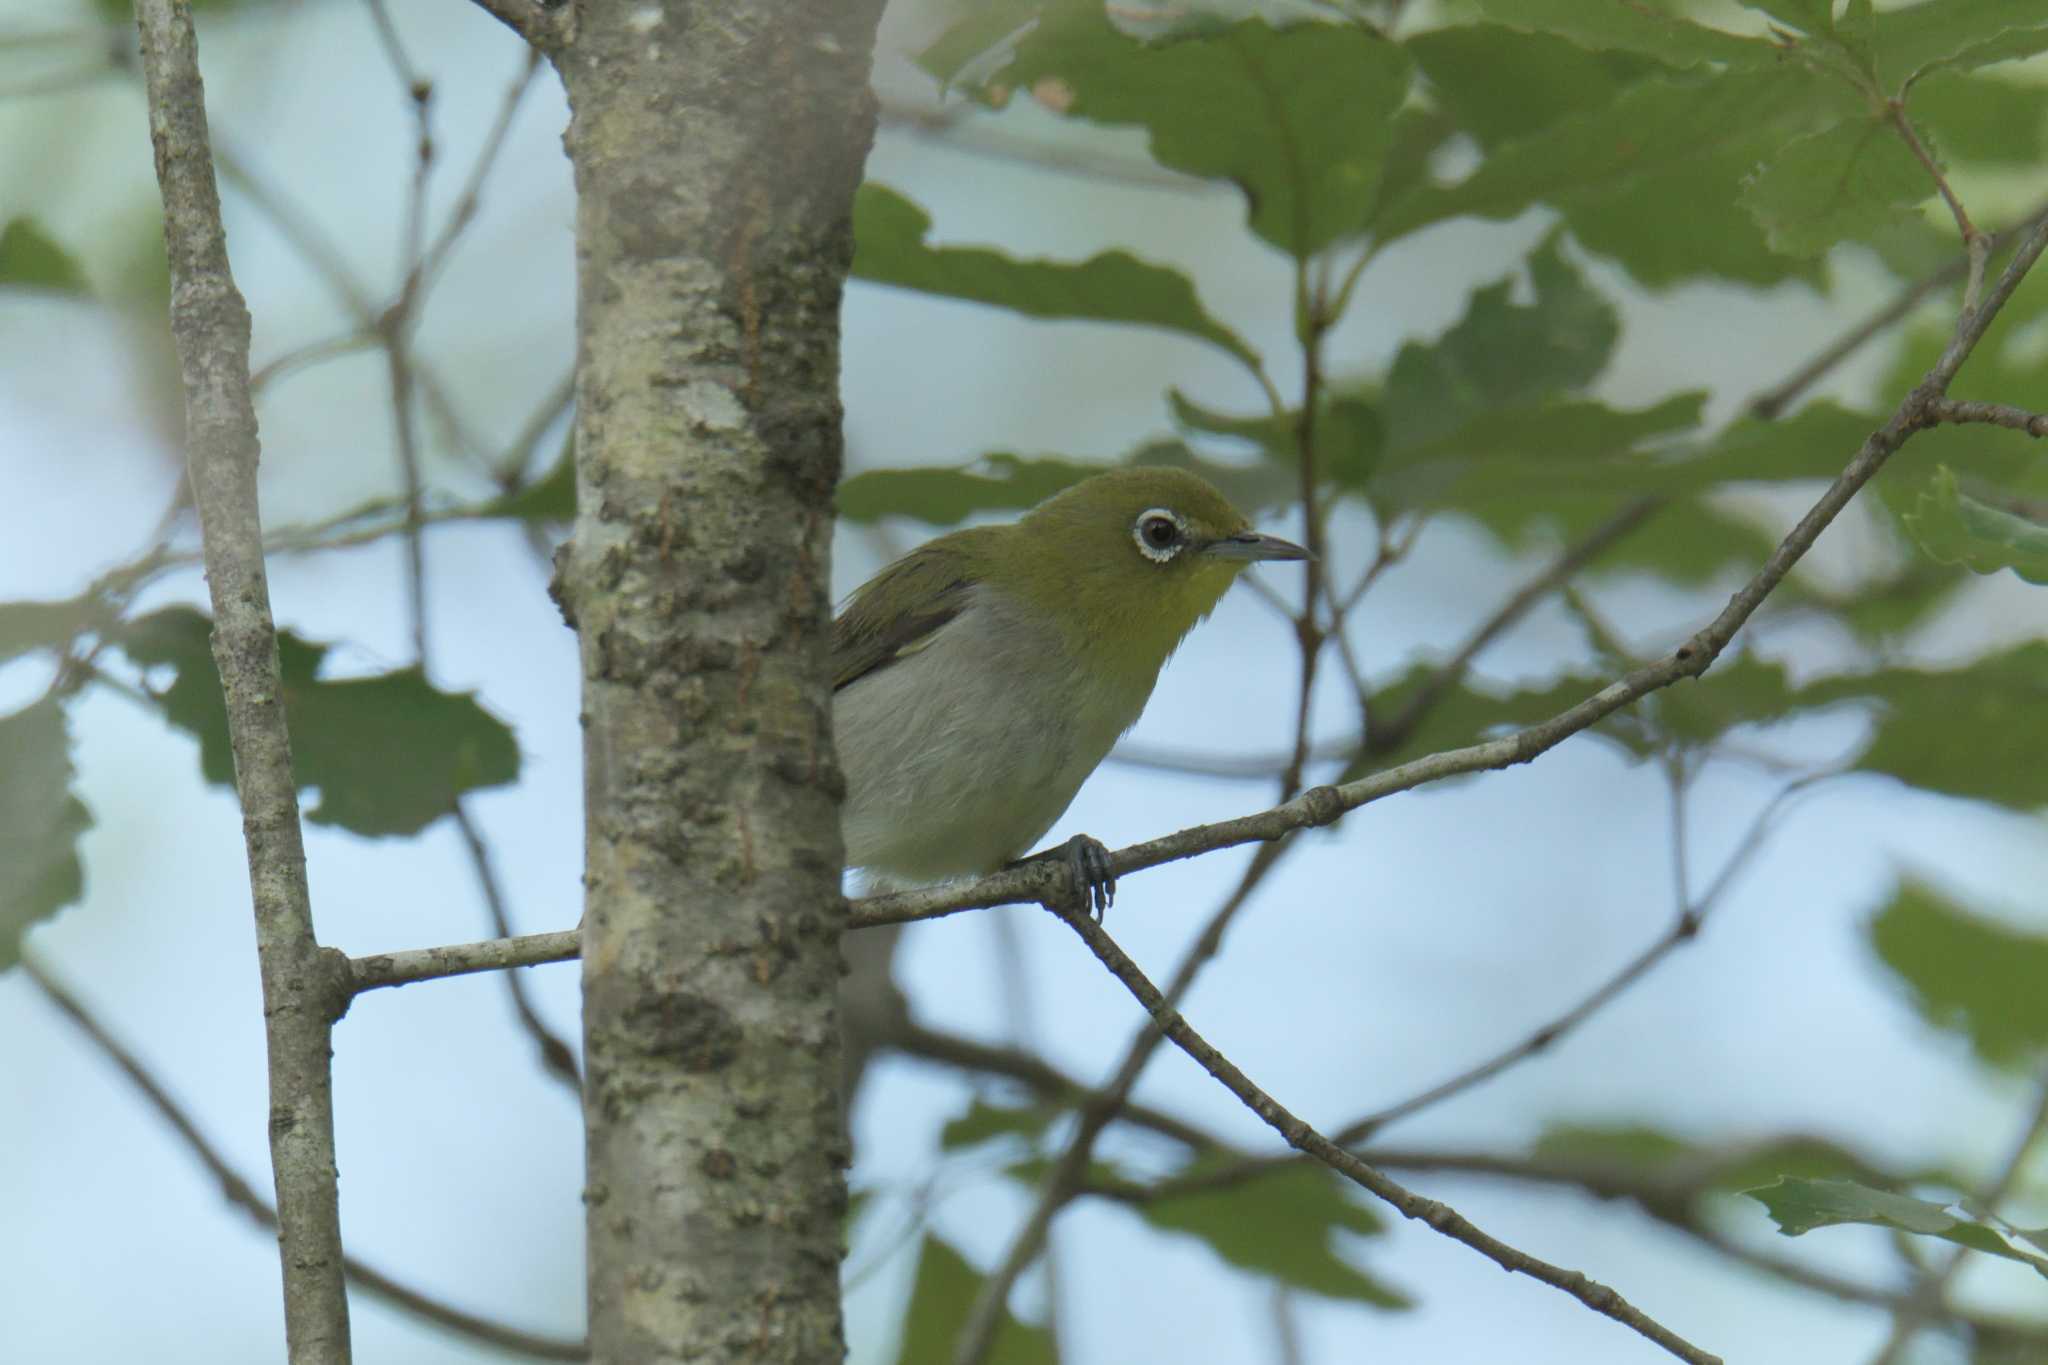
(958, 758)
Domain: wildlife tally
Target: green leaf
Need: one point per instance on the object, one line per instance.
(1844, 182)
(1114, 286)
(1688, 133)
(1281, 1224)
(946, 496)
(1297, 118)
(1632, 27)
(389, 753)
(984, 1121)
(978, 31)
(1731, 1166)
(1972, 732)
(1814, 443)
(31, 260)
(1504, 81)
(940, 1300)
(1984, 118)
(1571, 447)
(1799, 1206)
(1816, 17)
(1501, 353)
(1348, 438)
(29, 626)
(1958, 35)
(1965, 973)
(40, 821)
(1954, 528)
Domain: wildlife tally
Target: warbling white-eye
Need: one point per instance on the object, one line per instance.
(980, 678)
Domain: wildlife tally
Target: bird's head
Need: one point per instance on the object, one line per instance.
(1129, 561)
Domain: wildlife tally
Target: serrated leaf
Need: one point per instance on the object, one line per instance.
(1954, 528)
(1501, 353)
(1281, 1224)
(940, 1300)
(30, 259)
(1983, 118)
(1672, 126)
(1631, 27)
(40, 821)
(1846, 181)
(1799, 1206)
(1965, 973)
(389, 753)
(1297, 118)
(28, 626)
(1958, 35)
(946, 496)
(1115, 286)
(983, 1121)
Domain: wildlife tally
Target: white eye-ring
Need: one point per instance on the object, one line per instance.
(1160, 534)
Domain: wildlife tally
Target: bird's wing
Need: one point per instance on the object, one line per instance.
(875, 631)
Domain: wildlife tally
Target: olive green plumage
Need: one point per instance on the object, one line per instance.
(980, 678)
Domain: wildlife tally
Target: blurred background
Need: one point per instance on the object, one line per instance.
(1431, 931)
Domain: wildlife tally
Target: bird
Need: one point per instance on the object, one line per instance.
(979, 679)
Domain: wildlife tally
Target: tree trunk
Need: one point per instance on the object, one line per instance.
(716, 149)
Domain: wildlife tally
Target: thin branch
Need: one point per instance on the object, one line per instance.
(549, 27)
(301, 999)
(1598, 541)
(1976, 246)
(1768, 404)
(1995, 414)
(470, 198)
(1303, 1138)
(557, 1058)
(378, 970)
(242, 1195)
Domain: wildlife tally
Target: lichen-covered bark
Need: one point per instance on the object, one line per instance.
(304, 985)
(716, 147)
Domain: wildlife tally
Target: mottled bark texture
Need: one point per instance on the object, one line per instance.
(304, 985)
(716, 148)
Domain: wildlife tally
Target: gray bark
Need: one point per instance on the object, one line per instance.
(304, 985)
(716, 150)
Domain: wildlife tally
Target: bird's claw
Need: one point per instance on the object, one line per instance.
(1093, 877)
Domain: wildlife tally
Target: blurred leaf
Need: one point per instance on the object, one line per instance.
(1247, 487)
(1504, 81)
(1814, 443)
(1114, 286)
(1624, 26)
(1348, 436)
(940, 1301)
(40, 821)
(1721, 1165)
(1513, 454)
(29, 259)
(1466, 712)
(1815, 17)
(1297, 118)
(1973, 731)
(1744, 690)
(1972, 975)
(945, 497)
(389, 754)
(1281, 1224)
(1799, 1206)
(1984, 118)
(1669, 131)
(1417, 135)
(1956, 34)
(1954, 528)
(983, 1121)
(975, 34)
(1501, 353)
(29, 626)
(1843, 182)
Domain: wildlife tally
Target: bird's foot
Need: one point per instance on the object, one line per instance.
(1092, 878)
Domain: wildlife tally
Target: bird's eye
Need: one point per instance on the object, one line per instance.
(1159, 534)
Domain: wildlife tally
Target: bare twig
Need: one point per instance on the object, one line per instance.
(1299, 1135)
(301, 980)
(242, 1195)
(1976, 246)
(1958, 410)
(557, 1058)
(378, 970)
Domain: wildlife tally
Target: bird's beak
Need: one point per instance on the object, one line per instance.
(1252, 545)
